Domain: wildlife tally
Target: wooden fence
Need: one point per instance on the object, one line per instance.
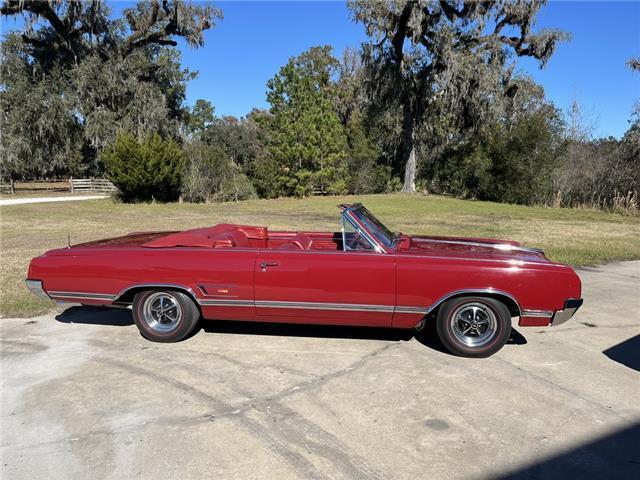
(97, 185)
(78, 185)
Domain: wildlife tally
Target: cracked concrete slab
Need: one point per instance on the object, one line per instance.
(84, 395)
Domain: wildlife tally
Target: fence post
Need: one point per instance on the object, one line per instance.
(12, 186)
(71, 184)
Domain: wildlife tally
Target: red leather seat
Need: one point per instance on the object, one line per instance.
(297, 242)
(236, 237)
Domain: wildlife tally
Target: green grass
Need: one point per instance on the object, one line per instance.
(574, 236)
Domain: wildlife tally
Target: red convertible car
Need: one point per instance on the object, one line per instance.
(362, 275)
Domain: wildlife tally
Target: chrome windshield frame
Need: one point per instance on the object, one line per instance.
(348, 216)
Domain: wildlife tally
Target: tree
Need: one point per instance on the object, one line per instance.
(237, 137)
(74, 29)
(200, 117)
(211, 176)
(74, 77)
(302, 132)
(145, 170)
(509, 162)
(40, 135)
(425, 53)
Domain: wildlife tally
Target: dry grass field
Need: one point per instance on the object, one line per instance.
(574, 236)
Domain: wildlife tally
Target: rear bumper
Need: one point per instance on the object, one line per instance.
(571, 306)
(35, 287)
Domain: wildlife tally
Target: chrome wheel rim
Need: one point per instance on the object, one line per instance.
(162, 312)
(474, 324)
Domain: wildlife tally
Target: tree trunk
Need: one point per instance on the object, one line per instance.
(409, 152)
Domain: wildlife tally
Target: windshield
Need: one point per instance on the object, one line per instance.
(375, 226)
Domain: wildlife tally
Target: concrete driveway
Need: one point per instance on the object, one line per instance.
(84, 396)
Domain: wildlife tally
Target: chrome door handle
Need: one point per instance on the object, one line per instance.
(264, 265)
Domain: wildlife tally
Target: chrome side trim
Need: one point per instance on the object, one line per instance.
(225, 303)
(209, 302)
(80, 295)
(71, 296)
(537, 313)
(419, 310)
(474, 291)
(325, 306)
(354, 307)
(35, 287)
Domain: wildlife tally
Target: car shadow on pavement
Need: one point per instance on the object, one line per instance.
(627, 353)
(118, 317)
(304, 330)
(612, 456)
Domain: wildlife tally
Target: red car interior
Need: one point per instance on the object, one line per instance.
(243, 236)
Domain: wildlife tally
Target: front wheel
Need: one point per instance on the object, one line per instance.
(165, 315)
(473, 326)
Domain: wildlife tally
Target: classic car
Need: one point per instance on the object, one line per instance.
(364, 274)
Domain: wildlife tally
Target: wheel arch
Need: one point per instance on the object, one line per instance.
(509, 300)
(127, 294)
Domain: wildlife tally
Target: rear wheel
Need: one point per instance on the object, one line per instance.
(473, 326)
(165, 315)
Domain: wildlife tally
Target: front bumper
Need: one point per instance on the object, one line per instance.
(571, 306)
(35, 287)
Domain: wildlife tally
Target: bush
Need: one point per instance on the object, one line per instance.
(510, 165)
(211, 176)
(147, 170)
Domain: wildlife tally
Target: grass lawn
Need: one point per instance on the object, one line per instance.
(574, 236)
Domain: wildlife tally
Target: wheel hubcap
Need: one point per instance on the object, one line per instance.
(474, 324)
(162, 312)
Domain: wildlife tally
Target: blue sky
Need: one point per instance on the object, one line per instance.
(256, 38)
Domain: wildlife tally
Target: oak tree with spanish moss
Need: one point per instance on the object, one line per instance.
(424, 52)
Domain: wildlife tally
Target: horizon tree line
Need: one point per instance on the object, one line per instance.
(430, 102)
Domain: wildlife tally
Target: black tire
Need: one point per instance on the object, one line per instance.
(486, 321)
(165, 315)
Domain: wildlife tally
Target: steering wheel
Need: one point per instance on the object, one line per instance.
(356, 242)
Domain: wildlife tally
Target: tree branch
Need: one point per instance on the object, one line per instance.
(402, 32)
(40, 8)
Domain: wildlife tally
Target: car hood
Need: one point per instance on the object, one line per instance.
(480, 248)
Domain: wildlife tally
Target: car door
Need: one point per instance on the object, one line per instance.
(341, 287)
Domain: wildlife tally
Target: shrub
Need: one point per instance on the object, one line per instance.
(211, 176)
(145, 170)
(511, 165)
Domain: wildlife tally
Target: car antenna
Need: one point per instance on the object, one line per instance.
(68, 239)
